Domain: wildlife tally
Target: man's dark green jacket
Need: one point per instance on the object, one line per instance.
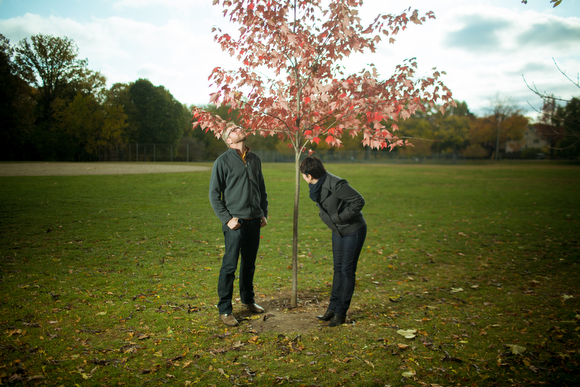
(237, 189)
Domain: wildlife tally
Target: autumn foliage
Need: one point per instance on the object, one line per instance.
(291, 82)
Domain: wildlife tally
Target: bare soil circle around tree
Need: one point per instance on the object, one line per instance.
(280, 317)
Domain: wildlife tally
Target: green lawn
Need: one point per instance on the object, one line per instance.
(111, 280)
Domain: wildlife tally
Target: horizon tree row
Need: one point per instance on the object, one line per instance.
(53, 107)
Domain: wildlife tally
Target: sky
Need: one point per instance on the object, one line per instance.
(486, 47)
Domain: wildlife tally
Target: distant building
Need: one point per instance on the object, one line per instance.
(531, 139)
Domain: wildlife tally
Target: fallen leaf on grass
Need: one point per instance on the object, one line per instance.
(254, 339)
(408, 334)
(408, 374)
(187, 363)
(370, 364)
(456, 290)
(516, 349)
(85, 375)
(150, 370)
(14, 378)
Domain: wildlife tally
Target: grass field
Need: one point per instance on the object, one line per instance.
(111, 280)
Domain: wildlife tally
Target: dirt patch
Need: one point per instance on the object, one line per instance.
(102, 168)
(281, 317)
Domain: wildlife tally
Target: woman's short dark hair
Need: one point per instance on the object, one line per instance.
(312, 166)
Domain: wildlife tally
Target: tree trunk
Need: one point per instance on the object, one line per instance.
(294, 298)
(497, 140)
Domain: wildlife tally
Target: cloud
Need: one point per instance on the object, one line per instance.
(171, 53)
(479, 33)
(552, 32)
(178, 4)
(484, 49)
(95, 39)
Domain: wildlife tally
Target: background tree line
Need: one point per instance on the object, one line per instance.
(53, 107)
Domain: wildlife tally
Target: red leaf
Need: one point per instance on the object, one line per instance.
(308, 132)
(307, 99)
(316, 140)
(251, 6)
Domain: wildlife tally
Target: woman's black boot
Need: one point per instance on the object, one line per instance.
(326, 316)
(337, 320)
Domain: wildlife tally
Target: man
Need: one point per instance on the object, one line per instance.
(237, 194)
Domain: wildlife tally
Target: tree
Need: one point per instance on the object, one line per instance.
(503, 109)
(301, 93)
(454, 128)
(88, 124)
(435, 132)
(505, 123)
(547, 127)
(154, 116)
(557, 128)
(16, 107)
(568, 121)
(51, 66)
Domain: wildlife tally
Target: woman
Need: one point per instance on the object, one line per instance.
(340, 208)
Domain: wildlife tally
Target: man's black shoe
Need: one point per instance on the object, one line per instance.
(326, 316)
(337, 320)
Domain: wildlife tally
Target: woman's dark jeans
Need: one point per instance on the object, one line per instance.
(345, 252)
(245, 242)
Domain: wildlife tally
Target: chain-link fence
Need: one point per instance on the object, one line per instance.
(362, 156)
(187, 152)
(149, 152)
